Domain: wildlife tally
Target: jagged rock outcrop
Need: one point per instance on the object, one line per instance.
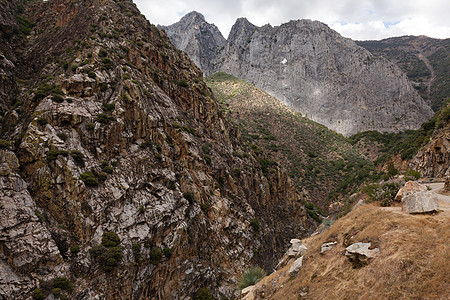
(326, 77)
(201, 40)
(433, 160)
(116, 133)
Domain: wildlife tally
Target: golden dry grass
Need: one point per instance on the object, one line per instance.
(414, 262)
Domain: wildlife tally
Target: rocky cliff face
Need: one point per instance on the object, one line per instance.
(326, 77)
(116, 163)
(201, 40)
(433, 159)
(424, 60)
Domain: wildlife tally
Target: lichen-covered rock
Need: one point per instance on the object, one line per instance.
(420, 202)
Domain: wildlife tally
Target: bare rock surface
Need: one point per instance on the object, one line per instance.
(361, 253)
(317, 72)
(420, 202)
(410, 187)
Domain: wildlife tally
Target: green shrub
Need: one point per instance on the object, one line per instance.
(74, 249)
(167, 252)
(137, 251)
(182, 82)
(109, 107)
(89, 178)
(189, 196)
(52, 155)
(236, 173)
(4, 144)
(254, 223)
(204, 207)
(56, 291)
(38, 294)
(411, 174)
(92, 74)
(102, 53)
(90, 126)
(155, 255)
(108, 253)
(57, 98)
(62, 136)
(77, 155)
(108, 169)
(63, 283)
(42, 121)
(203, 294)
(102, 118)
(251, 277)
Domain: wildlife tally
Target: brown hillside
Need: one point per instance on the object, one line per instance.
(414, 262)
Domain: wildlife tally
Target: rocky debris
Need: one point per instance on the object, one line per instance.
(298, 263)
(297, 249)
(361, 253)
(327, 247)
(447, 185)
(410, 187)
(324, 76)
(420, 202)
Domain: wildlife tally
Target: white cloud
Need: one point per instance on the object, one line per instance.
(357, 19)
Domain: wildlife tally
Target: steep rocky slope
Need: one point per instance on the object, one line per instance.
(119, 176)
(326, 77)
(426, 62)
(433, 159)
(197, 37)
(402, 270)
(320, 162)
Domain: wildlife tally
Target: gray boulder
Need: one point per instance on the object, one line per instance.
(327, 247)
(420, 202)
(298, 263)
(361, 253)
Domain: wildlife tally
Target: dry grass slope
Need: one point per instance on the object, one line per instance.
(414, 262)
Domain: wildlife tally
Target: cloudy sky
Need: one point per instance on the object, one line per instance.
(357, 19)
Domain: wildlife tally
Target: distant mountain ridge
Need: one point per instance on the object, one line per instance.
(425, 61)
(313, 70)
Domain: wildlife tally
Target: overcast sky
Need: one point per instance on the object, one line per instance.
(356, 19)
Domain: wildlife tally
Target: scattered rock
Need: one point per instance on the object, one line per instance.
(420, 202)
(296, 266)
(447, 185)
(361, 201)
(361, 253)
(409, 188)
(297, 249)
(248, 293)
(327, 246)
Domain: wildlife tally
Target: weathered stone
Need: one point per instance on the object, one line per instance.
(360, 253)
(298, 263)
(327, 247)
(420, 202)
(409, 188)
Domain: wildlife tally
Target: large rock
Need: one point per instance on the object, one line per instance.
(409, 188)
(298, 263)
(361, 253)
(420, 202)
